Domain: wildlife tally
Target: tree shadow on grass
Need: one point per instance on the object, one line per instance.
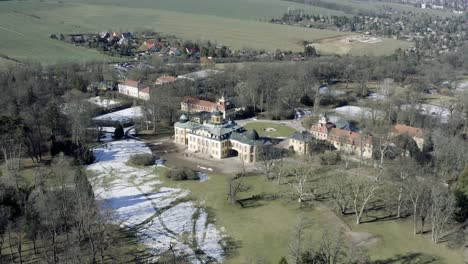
(231, 247)
(410, 258)
(257, 200)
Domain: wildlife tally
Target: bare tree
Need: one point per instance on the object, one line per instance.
(236, 185)
(363, 190)
(338, 191)
(332, 249)
(296, 240)
(442, 209)
(301, 177)
(401, 175)
(280, 170)
(268, 157)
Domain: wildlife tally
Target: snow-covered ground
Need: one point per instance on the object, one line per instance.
(376, 96)
(463, 86)
(356, 111)
(103, 102)
(432, 110)
(125, 115)
(326, 91)
(159, 214)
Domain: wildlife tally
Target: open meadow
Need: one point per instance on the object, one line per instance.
(27, 25)
(260, 232)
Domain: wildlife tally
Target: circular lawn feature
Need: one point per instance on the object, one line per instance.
(273, 130)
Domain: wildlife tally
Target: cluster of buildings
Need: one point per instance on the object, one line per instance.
(221, 138)
(357, 143)
(136, 89)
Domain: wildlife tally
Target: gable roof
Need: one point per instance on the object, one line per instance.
(145, 90)
(131, 83)
(411, 131)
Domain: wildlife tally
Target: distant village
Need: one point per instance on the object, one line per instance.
(138, 45)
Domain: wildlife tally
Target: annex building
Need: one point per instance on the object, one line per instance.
(218, 138)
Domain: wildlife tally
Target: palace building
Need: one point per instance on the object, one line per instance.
(218, 138)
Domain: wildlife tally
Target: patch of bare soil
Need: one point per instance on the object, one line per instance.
(362, 239)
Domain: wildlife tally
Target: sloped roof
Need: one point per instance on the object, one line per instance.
(208, 104)
(145, 90)
(411, 131)
(301, 136)
(131, 83)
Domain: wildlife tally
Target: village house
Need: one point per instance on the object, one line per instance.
(218, 138)
(415, 133)
(134, 89)
(344, 140)
(190, 105)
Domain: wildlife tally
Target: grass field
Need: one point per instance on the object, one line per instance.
(370, 5)
(281, 130)
(26, 25)
(261, 231)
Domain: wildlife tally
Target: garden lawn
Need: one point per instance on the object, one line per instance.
(281, 130)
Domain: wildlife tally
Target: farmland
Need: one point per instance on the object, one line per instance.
(26, 26)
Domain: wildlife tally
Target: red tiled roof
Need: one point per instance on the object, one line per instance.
(165, 79)
(352, 138)
(341, 135)
(411, 131)
(145, 90)
(131, 83)
(195, 101)
(207, 104)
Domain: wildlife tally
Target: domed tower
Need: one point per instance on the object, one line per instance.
(252, 135)
(183, 118)
(216, 116)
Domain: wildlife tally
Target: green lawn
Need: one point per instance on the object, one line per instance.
(397, 243)
(26, 25)
(281, 130)
(260, 232)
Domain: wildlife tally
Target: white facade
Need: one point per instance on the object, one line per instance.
(128, 90)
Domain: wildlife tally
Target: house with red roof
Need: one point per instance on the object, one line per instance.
(190, 104)
(344, 140)
(415, 133)
(134, 89)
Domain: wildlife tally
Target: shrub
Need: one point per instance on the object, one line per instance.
(118, 132)
(141, 159)
(181, 174)
(330, 158)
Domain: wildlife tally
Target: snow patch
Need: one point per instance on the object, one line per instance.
(123, 116)
(158, 213)
(103, 102)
